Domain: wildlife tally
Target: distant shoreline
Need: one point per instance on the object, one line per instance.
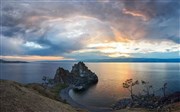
(123, 60)
(98, 62)
(4, 61)
(113, 60)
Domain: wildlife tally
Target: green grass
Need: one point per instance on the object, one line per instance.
(57, 88)
(52, 92)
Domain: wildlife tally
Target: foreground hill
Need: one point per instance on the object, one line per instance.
(16, 97)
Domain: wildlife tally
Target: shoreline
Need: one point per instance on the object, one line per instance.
(65, 96)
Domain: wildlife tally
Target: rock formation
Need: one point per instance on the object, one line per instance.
(63, 76)
(80, 77)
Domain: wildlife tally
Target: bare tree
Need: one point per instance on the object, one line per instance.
(46, 81)
(148, 87)
(164, 89)
(128, 84)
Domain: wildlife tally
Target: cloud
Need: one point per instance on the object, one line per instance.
(115, 13)
(154, 9)
(33, 45)
(10, 46)
(67, 35)
(136, 14)
(161, 17)
(66, 28)
(33, 58)
(128, 49)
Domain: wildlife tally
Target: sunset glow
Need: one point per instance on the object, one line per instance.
(60, 30)
(33, 58)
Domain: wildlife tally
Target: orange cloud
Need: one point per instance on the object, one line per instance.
(136, 14)
(119, 37)
(33, 58)
(115, 55)
(34, 19)
(127, 49)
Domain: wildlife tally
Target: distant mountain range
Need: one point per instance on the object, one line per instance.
(145, 60)
(153, 60)
(135, 60)
(4, 61)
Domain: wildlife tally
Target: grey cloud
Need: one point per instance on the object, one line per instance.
(10, 46)
(154, 8)
(24, 19)
(163, 18)
(67, 35)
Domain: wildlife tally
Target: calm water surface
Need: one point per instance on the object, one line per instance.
(111, 76)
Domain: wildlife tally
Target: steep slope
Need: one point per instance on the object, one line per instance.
(16, 97)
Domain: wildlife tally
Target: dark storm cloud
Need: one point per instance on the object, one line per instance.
(136, 20)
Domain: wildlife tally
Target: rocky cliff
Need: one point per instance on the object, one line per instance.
(80, 77)
(63, 76)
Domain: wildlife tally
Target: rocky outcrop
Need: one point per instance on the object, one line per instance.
(80, 77)
(84, 76)
(63, 76)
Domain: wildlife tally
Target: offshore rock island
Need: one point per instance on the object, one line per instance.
(80, 78)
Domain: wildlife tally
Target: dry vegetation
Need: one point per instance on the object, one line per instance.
(174, 108)
(16, 97)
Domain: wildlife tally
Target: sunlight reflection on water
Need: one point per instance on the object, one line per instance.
(111, 76)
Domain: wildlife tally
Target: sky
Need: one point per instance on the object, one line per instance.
(35, 30)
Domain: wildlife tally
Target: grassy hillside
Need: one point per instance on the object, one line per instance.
(16, 97)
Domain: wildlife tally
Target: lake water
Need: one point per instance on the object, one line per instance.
(111, 76)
